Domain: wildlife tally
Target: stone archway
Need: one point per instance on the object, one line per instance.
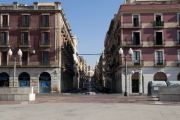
(4, 79)
(24, 80)
(160, 76)
(135, 83)
(44, 83)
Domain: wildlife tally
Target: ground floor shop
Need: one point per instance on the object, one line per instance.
(43, 80)
(148, 74)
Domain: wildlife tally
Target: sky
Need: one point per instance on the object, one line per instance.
(89, 20)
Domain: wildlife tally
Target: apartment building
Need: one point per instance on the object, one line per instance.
(151, 29)
(43, 34)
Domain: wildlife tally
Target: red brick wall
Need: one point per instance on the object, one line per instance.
(35, 34)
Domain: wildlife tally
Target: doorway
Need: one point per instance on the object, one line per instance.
(135, 83)
(24, 80)
(44, 83)
(4, 79)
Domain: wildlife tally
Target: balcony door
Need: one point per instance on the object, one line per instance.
(136, 20)
(159, 38)
(4, 38)
(45, 37)
(46, 21)
(136, 56)
(45, 57)
(25, 37)
(159, 58)
(25, 20)
(136, 38)
(5, 20)
(4, 59)
(158, 18)
(24, 58)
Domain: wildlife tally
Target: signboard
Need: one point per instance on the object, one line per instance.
(44, 84)
(156, 88)
(23, 84)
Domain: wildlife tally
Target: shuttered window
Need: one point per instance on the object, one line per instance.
(136, 55)
(159, 57)
(4, 36)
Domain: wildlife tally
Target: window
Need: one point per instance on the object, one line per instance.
(25, 20)
(4, 59)
(25, 37)
(178, 38)
(45, 37)
(136, 56)
(45, 57)
(5, 20)
(178, 57)
(159, 58)
(158, 40)
(46, 21)
(136, 20)
(4, 37)
(136, 38)
(24, 58)
(158, 20)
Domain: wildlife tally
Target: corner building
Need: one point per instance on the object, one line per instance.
(43, 34)
(151, 29)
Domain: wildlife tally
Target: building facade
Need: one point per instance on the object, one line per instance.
(151, 29)
(43, 34)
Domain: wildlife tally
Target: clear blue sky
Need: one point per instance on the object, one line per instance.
(89, 20)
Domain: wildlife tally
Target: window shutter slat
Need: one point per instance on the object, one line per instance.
(42, 20)
(22, 20)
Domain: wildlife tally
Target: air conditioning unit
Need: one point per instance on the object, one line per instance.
(32, 51)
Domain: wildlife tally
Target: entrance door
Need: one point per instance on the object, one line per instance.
(44, 83)
(135, 86)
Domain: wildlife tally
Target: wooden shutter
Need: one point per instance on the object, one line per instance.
(22, 20)
(49, 41)
(21, 37)
(42, 20)
(29, 20)
(0, 37)
(49, 57)
(48, 20)
(41, 41)
(42, 58)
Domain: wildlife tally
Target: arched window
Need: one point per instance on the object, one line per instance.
(160, 76)
(44, 83)
(24, 80)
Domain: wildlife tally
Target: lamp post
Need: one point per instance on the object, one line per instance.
(121, 52)
(132, 72)
(20, 55)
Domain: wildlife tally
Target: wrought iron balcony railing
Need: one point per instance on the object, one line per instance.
(159, 42)
(160, 62)
(158, 23)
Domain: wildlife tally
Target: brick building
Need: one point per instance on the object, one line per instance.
(43, 34)
(151, 29)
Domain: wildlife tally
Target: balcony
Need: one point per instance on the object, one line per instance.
(63, 30)
(24, 44)
(24, 26)
(4, 26)
(138, 62)
(45, 25)
(159, 43)
(3, 63)
(131, 25)
(133, 43)
(5, 44)
(158, 24)
(178, 43)
(45, 43)
(159, 62)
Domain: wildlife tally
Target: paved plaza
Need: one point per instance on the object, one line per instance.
(84, 107)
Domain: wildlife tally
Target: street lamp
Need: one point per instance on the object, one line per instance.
(131, 53)
(20, 55)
